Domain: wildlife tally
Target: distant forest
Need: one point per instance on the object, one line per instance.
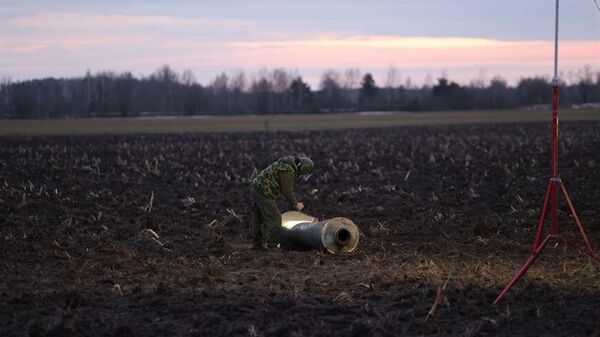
(277, 91)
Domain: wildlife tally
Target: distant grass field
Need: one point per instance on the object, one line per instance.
(280, 122)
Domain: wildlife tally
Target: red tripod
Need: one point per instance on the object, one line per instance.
(552, 193)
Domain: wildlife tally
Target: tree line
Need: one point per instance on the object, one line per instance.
(277, 91)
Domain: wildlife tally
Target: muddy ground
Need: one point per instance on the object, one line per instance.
(438, 203)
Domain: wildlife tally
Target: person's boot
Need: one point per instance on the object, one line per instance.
(259, 245)
(272, 246)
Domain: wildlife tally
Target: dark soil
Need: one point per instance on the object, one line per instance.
(78, 255)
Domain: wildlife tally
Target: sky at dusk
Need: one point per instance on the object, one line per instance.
(464, 40)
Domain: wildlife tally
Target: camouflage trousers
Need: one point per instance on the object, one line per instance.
(267, 221)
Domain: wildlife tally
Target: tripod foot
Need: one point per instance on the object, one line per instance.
(592, 254)
(587, 250)
(524, 269)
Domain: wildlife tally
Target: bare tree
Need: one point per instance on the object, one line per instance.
(220, 82)
(392, 78)
(238, 81)
(262, 89)
(480, 81)
(585, 85)
(350, 82)
(498, 93)
(5, 94)
(281, 80)
(188, 78)
(221, 93)
(428, 81)
(237, 86)
(585, 75)
(165, 74)
(392, 82)
(408, 82)
(105, 93)
(124, 93)
(88, 94)
(167, 77)
(331, 92)
(352, 77)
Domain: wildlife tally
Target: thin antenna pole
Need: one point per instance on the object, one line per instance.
(555, 85)
(555, 78)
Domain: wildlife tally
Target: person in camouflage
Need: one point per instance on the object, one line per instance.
(277, 178)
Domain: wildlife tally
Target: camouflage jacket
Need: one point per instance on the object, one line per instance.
(278, 178)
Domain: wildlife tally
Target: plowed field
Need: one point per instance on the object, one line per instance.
(78, 254)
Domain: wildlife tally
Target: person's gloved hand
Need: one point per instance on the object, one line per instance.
(299, 206)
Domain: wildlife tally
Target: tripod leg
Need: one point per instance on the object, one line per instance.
(540, 229)
(523, 269)
(581, 230)
(589, 251)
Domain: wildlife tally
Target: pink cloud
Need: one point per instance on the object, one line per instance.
(430, 52)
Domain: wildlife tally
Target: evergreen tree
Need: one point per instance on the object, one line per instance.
(302, 98)
(368, 92)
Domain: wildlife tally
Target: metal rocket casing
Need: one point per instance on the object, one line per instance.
(303, 232)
